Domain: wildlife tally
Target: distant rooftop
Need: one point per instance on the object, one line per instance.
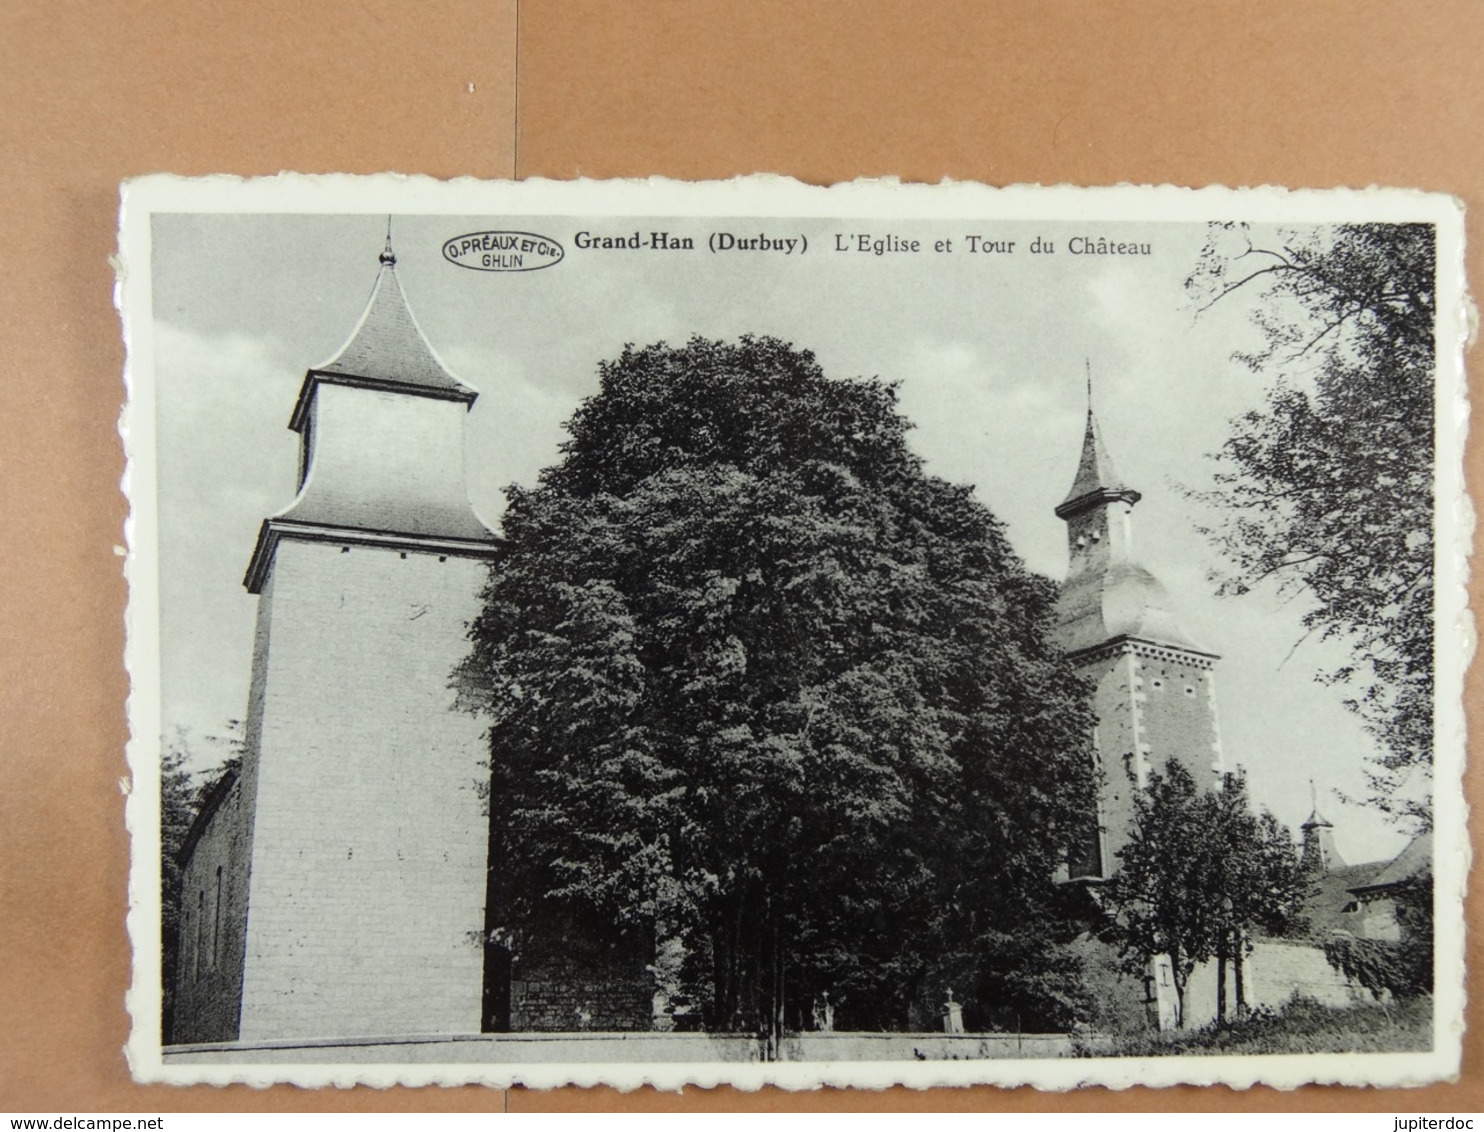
(1414, 860)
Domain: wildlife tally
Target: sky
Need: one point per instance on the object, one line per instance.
(990, 350)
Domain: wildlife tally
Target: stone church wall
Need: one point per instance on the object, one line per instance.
(1115, 739)
(1156, 706)
(556, 997)
(370, 843)
(1119, 999)
(572, 974)
(213, 910)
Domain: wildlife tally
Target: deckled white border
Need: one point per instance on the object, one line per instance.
(771, 196)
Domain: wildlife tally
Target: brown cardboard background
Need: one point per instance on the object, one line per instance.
(1301, 92)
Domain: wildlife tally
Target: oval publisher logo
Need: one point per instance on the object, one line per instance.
(502, 251)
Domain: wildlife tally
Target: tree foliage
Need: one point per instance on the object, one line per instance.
(1201, 871)
(761, 686)
(1402, 967)
(1328, 488)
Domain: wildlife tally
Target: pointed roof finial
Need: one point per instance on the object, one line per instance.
(1316, 819)
(388, 257)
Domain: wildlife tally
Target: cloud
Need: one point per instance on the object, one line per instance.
(1004, 429)
(226, 460)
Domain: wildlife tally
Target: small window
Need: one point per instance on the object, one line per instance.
(1189, 691)
(1156, 683)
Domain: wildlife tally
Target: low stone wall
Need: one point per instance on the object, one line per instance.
(1275, 972)
(578, 1048)
(547, 1001)
(923, 1047)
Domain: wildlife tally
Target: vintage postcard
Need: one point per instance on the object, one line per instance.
(757, 633)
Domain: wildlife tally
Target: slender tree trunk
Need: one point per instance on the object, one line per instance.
(775, 1012)
(1221, 981)
(1179, 988)
(1241, 989)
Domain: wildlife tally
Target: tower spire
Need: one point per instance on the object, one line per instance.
(1316, 819)
(388, 257)
(386, 349)
(1097, 481)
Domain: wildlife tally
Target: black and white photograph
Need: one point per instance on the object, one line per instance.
(751, 633)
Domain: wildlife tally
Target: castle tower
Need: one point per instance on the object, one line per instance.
(1318, 854)
(1155, 696)
(359, 905)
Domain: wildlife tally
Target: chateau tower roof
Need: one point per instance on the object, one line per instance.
(1123, 602)
(1097, 481)
(1413, 861)
(1108, 596)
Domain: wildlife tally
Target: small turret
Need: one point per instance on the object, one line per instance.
(1319, 854)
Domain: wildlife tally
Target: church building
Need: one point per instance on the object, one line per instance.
(336, 885)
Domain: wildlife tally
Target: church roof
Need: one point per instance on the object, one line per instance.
(209, 802)
(1097, 481)
(1118, 599)
(380, 470)
(386, 350)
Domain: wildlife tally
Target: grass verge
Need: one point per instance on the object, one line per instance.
(1302, 1026)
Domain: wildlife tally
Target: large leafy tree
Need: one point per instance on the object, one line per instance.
(1328, 487)
(1254, 877)
(764, 689)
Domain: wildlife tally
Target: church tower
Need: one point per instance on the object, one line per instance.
(361, 904)
(1155, 696)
